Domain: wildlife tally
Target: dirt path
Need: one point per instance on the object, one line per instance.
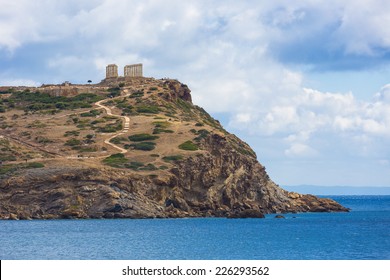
(125, 126)
(108, 110)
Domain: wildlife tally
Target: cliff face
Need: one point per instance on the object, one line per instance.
(195, 169)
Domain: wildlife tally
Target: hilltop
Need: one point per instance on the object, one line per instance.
(128, 148)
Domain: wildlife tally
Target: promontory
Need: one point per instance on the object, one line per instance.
(129, 147)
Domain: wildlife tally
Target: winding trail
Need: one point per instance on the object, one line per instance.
(125, 127)
(108, 110)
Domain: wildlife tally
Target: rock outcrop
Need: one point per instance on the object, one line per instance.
(61, 193)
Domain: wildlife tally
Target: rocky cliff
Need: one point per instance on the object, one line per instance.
(147, 153)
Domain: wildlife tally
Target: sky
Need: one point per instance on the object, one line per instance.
(305, 83)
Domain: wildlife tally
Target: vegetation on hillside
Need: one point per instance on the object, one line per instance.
(142, 137)
(161, 127)
(120, 161)
(143, 146)
(115, 160)
(37, 101)
(7, 169)
(172, 158)
(188, 146)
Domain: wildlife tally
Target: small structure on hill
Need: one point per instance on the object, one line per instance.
(134, 70)
(111, 71)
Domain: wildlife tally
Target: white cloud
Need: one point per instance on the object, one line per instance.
(383, 95)
(300, 150)
(361, 28)
(321, 119)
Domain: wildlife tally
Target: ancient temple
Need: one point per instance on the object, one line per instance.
(134, 70)
(111, 71)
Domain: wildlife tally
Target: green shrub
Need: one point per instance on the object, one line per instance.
(142, 137)
(161, 124)
(10, 168)
(144, 146)
(155, 155)
(7, 168)
(163, 167)
(81, 126)
(115, 160)
(172, 158)
(36, 101)
(202, 133)
(118, 140)
(127, 111)
(72, 133)
(148, 109)
(36, 124)
(109, 128)
(61, 105)
(35, 165)
(110, 118)
(92, 113)
(137, 94)
(113, 92)
(86, 97)
(188, 146)
(73, 142)
(43, 140)
(134, 165)
(160, 130)
(160, 127)
(184, 105)
(109, 103)
(124, 106)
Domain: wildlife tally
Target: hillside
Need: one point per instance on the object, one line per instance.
(128, 148)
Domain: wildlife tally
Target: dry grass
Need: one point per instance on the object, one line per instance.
(54, 127)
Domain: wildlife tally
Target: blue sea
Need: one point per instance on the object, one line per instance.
(363, 233)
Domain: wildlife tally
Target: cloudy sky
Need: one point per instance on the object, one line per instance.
(305, 83)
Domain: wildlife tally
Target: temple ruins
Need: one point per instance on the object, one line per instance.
(134, 70)
(111, 71)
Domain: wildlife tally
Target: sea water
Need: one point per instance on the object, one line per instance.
(363, 233)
